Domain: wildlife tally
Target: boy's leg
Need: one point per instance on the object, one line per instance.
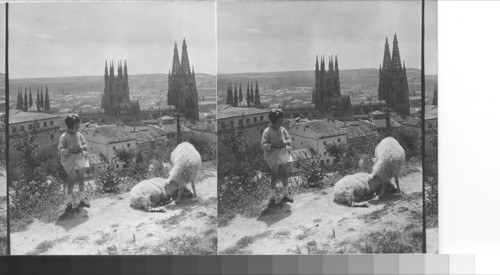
(81, 188)
(274, 179)
(70, 197)
(284, 179)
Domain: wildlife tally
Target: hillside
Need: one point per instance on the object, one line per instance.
(71, 84)
(290, 79)
(111, 227)
(315, 224)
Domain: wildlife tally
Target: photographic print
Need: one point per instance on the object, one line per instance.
(112, 128)
(319, 127)
(431, 128)
(3, 164)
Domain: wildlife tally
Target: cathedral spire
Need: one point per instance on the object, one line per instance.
(336, 65)
(386, 64)
(105, 70)
(396, 59)
(125, 70)
(176, 65)
(317, 65)
(323, 63)
(185, 68)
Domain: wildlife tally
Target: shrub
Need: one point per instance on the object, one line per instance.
(108, 180)
(311, 172)
(410, 139)
(35, 190)
(241, 169)
(345, 160)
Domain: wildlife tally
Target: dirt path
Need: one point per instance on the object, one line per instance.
(316, 224)
(111, 226)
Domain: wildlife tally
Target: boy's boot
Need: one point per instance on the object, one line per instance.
(82, 198)
(272, 201)
(286, 197)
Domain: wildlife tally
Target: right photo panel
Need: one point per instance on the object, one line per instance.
(319, 108)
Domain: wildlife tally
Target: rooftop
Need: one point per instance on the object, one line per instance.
(17, 116)
(323, 128)
(227, 111)
(112, 133)
(431, 111)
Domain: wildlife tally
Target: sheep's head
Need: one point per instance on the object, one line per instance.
(374, 182)
(170, 186)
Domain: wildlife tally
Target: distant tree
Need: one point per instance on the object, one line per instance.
(47, 100)
(25, 101)
(241, 94)
(31, 100)
(42, 103)
(248, 94)
(229, 97)
(38, 101)
(257, 95)
(235, 97)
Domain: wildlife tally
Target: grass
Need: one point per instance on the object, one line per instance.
(203, 244)
(105, 237)
(241, 244)
(409, 240)
(46, 245)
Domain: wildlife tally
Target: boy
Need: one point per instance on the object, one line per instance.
(72, 144)
(276, 143)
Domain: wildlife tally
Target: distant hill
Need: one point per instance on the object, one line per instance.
(290, 79)
(144, 82)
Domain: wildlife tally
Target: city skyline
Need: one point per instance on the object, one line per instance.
(266, 36)
(74, 39)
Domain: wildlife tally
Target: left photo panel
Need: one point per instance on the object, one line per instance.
(112, 129)
(3, 164)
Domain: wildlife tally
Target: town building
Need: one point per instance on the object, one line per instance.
(393, 83)
(116, 96)
(317, 135)
(182, 92)
(46, 126)
(326, 94)
(252, 121)
(108, 140)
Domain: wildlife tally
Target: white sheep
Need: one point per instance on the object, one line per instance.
(352, 189)
(389, 160)
(149, 193)
(186, 164)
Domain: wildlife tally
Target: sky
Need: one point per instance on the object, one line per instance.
(287, 35)
(74, 39)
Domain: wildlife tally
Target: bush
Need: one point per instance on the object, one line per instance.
(410, 139)
(311, 172)
(346, 161)
(241, 174)
(35, 189)
(108, 180)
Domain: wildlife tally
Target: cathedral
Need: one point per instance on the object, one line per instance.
(393, 83)
(182, 91)
(326, 93)
(116, 98)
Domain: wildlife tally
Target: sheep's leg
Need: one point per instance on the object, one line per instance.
(179, 195)
(194, 189)
(382, 191)
(397, 183)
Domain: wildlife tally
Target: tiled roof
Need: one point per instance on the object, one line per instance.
(301, 153)
(173, 128)
(147, 136)
(113, 133)
(17, 116)
(94, 159)
(431, 111)
(381, 123)
(324, 128)
(204, 126)
(230, 111)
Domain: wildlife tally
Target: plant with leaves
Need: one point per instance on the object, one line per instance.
(108, 180)
(345, 160)
(34, 189)
(311, 172)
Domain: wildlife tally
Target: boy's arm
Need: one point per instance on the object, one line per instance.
(63, 147)
(84, 142)
(265, 143)
(288, 139)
